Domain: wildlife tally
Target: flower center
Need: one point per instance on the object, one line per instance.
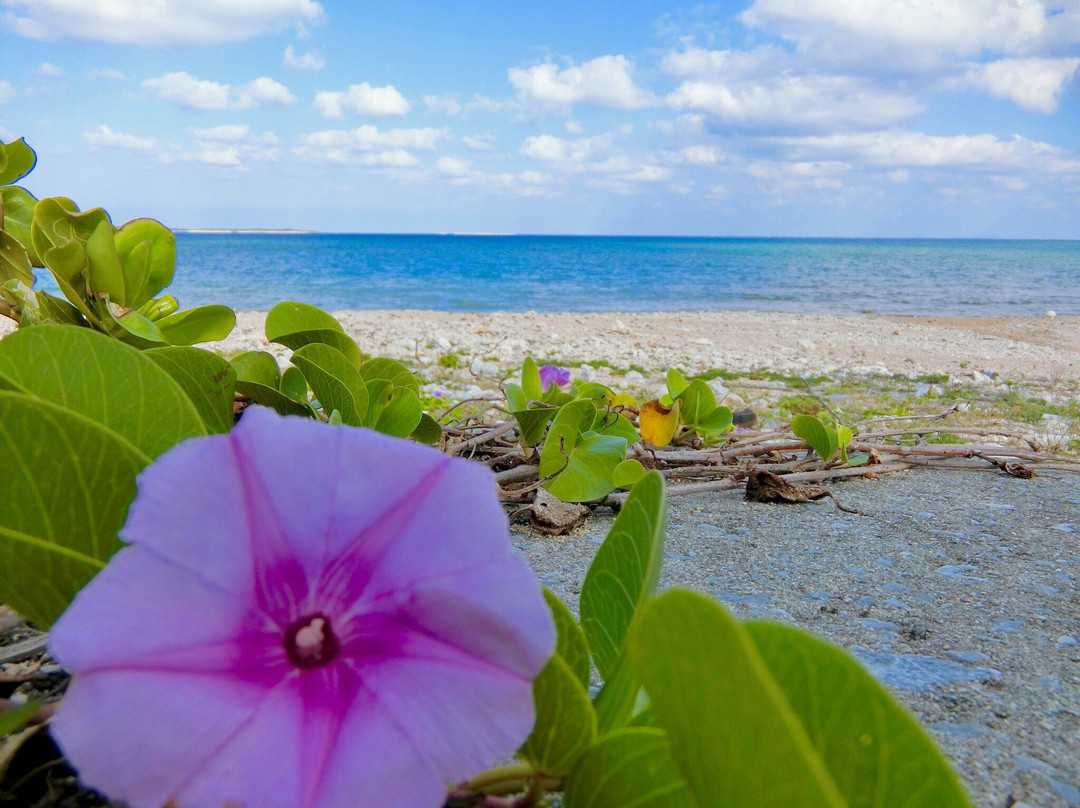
(310, 642)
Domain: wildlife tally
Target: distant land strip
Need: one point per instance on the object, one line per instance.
(247, 231)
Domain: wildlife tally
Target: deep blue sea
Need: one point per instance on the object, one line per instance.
(575, 273)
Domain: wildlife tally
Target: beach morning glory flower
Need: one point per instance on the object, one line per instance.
(553, 375)
(307, 616)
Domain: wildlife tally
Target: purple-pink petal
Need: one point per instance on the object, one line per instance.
(309, 616)
(553, 375)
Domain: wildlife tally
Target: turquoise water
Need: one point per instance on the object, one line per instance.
(554, 273)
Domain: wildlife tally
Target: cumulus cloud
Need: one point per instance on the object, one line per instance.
(186, 90)
(560, 150)
(363, 99)
(229, 147)
(452, 167)
(312, 60)
(7, 92)
(104, 136)
(369, 146)
(162, 22)
(447, 103)
(1035, 84)
(51, 70)
(485, 142)
(606, 81)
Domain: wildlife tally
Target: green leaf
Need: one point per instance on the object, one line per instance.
(614, 423)
(294, 385)
(273, 398)
(19, 160)
(105, 274)
(201, 324)
(395, 372)
(108, 382)
(14, 261)
(617, 698)
(380, 392)
(66, 488)
(874, 749)
(698, 401)
(627, 473)
(565, 720)
(208, 380)
(15, 719)
(530, 380)
(571, 640)
(629, 767)
(676, 383)
(147, 251)
(565, 432)
(128, 326)
(593, 391)
(624, 572)
(295, 325)
(401, 415)
(516, 400)
(17, 215)
(588, 474)
(259, 367)
(818, 436)
(427, 431)
(531, 423)
(716, 422)
(335, 381)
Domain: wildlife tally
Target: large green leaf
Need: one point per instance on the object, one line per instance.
(17, 160)
(531, 423)
(571, 640)
(16, 215)
(295, 325)
(335, 381)
(613, 423)
(17, 717)
(380, 367)
(624, 572)
(14, 260)
(259, 367)
(202, 324)
(618, 697)
(628, 767)
(589, 473)
(530, 380)
(104, 380)
(427, 431)
(698, 402)
(147, 251)
(819, 437)
(676, 383)
(206, 377)
(401, 415)
(273, 398)
(564, 434)
(103, 264)
(565, 720)
(66, 487)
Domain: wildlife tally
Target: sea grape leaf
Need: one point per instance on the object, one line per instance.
(66, 488)
(104, 380)
(698, 401)
(676, 383)
(658, 423)
(716, 422)
(201, 324)
(531, 423)
(427, 431)
(14, 260)
(614, 423)
(294, 385)
(565, 719)
(18, 161)
(401, 415)
(631, 766)
(17, 209)
(103, 264)
(126, 325)
(207, 378)
(335, 381)
(818, 436)
(592, 390)
(624, 572)
(627, 473)
(570, 644)
(587, 475)
(295, 325)
(565, 432)
(259, 367)
(380, 392)
(273, 398)
(380, 367)
(147, 251)
(875, 751)
(530, 380)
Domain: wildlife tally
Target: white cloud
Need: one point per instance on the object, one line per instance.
(779, 176)
(368, 145)
(485, 142)
(233, 133)
(452, 167)
(447, 103)
(161, 22)
(50, 70)
(312, 60)
(484, 104)
(7, 92)
(229, 147)
(363, 99)
(185, 90)
(104, 136)
(699, 63)
(573, 128)
(1033, 83)
(559, 150)
(606, 81)
(698, 155)
(105, 73)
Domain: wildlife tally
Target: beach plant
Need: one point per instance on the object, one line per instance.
(112, 278)
(687, 412)
(827, 441)
(330, 378)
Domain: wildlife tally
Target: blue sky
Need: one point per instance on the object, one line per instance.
(939, 118)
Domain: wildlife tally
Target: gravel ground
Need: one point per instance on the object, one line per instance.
(959, 589)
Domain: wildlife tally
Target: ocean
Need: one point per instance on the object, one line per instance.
(598, 274)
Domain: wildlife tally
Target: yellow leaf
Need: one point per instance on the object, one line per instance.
(658, 423)
(623, 400)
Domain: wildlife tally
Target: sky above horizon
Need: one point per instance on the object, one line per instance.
(877, 118)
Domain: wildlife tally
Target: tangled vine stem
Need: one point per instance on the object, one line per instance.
(516, 785)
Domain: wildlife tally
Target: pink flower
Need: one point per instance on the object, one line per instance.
(553, 375)
(308, 617)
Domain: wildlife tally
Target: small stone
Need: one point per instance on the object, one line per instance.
(806, 344)
(981, 378)
(621, 327)
(635, 378)
(443, 343)
(1068, 641)
(968, 657)
(587, 373)
(703, 341)
(553, 516)
(1051, 313)
(745, 419)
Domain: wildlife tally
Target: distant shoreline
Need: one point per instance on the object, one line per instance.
(203, 231)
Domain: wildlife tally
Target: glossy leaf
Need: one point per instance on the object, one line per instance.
(613, 423)
(106, 277)
(698, 402)
(530, 380)
(427, 431)
(202, 324)
(565, 432)
(676, 383)
(516, 400)
(273, 398)
(401, 415)
(208, 380)
(147, 251)
(17, 160)
(587, 476)
(624, 572)
(818, 436)
(658, 423)
(295, 325)
(14, 261)
(334, 380)
(66, 488)
(565, 720)
(570, 644)
(294, 385)
(104, 380)
(531, 423)
(627, 473)
(17, 209)
(380, 367)
(259, 367)
(619, 695)
(629, 767)
(716, 422)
